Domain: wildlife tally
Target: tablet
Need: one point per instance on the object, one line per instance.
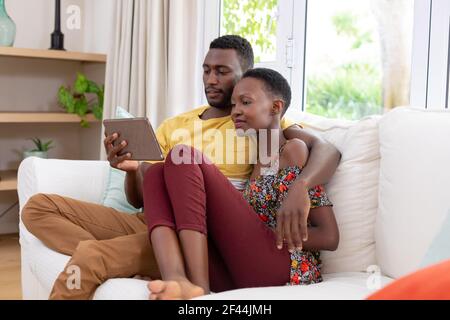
(139, 134)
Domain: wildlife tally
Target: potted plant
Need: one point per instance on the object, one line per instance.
(76, 101)
(41, 150)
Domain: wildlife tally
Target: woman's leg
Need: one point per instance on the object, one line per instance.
(203, 200)
(161, 226)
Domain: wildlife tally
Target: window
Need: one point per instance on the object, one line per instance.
(257, 21)
(348, 58)
(438, 58)
(447, 101)
(358, 56)
(266, 24)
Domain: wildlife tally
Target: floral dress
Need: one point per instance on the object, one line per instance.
(266, 194)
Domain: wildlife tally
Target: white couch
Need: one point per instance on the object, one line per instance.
(390, 194)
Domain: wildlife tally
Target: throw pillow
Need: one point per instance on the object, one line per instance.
(115, 196)
(352, 190)
(432, 283)
(440, 247)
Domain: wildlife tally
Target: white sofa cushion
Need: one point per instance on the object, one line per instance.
(353, 189)
(337, 286)
(83, 180)
(414, 186)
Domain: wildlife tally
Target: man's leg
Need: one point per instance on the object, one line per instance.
(103, 242)
(61, 223)
(96, 261)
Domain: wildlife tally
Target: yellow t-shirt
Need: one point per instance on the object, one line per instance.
(213, 137)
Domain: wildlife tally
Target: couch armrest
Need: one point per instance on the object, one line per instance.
(82, 180)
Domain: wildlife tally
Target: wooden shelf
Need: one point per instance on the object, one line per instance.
(52, 54)
(8, 180)
(42, 117)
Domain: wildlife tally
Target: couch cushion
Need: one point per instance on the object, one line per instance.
(122, 289)
(414, 186)
(83, 180)
(440, 247)
(115, 196)
(353, 189)
(338, 286)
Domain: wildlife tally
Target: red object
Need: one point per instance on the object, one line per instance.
(282, 187)
(295, 279)
(291, 176)
(304, 267)
(432, 283)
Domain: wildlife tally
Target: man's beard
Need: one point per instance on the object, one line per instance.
(224, 103)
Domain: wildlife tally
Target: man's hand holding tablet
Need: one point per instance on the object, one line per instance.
(128, 141)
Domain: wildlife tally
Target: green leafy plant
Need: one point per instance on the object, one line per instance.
(347, 24)
(76, 100)
(254, 20)
(350, 92)
(41, 146)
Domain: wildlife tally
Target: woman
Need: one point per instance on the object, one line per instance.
(209, 237)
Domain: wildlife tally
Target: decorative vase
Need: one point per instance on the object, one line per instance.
(38, 154)
(7, 27)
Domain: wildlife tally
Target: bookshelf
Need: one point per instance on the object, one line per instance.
(8, 180)
(52, 55)
(42, 117)
(29, 82)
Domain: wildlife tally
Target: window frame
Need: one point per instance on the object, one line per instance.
(430, 87)
(431, 55)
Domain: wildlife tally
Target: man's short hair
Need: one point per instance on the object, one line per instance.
(242, 46)
(274, 83)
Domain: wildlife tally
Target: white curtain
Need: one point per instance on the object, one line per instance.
(154, 65)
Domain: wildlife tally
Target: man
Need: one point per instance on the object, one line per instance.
(105, 243)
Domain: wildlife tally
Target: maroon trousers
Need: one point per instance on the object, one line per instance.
(242, 250)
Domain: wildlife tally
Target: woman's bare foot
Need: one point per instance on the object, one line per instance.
(181, 289)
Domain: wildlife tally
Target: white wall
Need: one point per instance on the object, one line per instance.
(98, 20)
(35, 22)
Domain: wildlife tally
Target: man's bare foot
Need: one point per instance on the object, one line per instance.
(181, 289)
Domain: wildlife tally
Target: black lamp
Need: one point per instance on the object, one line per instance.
(57, 36)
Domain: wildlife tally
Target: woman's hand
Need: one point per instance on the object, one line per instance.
(119, 162)
(292, 217)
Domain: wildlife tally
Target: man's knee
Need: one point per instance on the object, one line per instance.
(85, 272)
(89, 257)
(35, 208)
(99, 261)
(88, 252)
